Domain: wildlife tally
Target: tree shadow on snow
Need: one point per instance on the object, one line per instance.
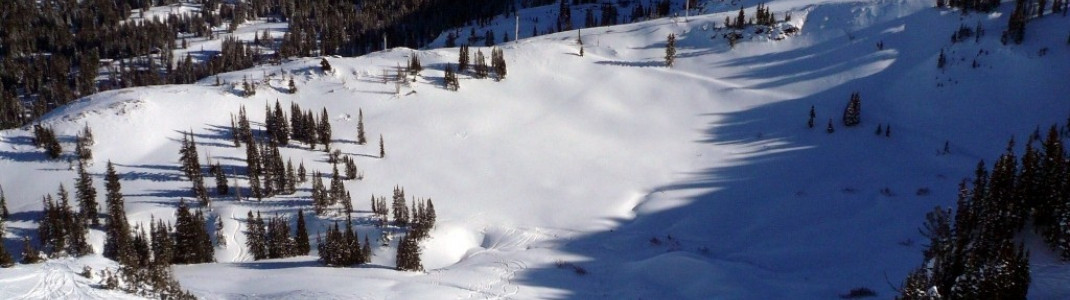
(748, 228)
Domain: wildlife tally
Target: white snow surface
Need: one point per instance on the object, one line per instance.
(700, 181)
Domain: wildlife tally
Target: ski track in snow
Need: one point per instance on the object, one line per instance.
(58, 282)
(234, 239)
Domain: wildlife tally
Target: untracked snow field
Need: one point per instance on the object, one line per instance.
(606, 175)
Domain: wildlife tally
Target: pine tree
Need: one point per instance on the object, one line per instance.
(401, 211)
(670, 50)
(408, 255)
(324, 132)
(829, 128)
(301, 243)
(941, 60)
(414, 64)
(301, 174)
(852, 114)
(5, 258)
(360, 127)
(480, 67)
(463, 58)
(497, 62)
(4, 213)
(450, 80)
(221, 186)
(293, 87)
(291, 178)
(810, 123)
(163, 245)
(117, 243)
(30, 255)
(254, 236)
(192, 243)
(220, 235)
(382, 150)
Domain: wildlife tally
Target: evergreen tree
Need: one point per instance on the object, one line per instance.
(360, 127)
(450, 80)
(51, 233)
(497, 62)
(414, 64)
(301, 243)
(220, 236)
(192, 242)
(401, 211)
(852, 114)
(829, 128)
(462, 58)
(337, 191)
(163, 245)
(324, 131)
(254, 236)
(292, 87)
(117, 242)
(810, 123)
(480, 67)
(221, 186)
(670, 50)
(140, 246)
(301, 174)
(382, 150)
(4, 213)
(30, 255)
(291, 178)
(82, 150)
(5, 258)
(408, 255)
(941, 60)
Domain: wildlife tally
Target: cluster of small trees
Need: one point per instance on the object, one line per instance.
(973, 252)
(268, 174)
(323, 198)
(303, 127)
(188, 243)
(478, 64)
(414, 67)
(450, 79)
(343, 248)
(83, 142)
(762, 16)
(62, 231)
(852, 116)
(45, 138)
(272, 239)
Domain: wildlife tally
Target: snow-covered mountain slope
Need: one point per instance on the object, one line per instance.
(698, 181)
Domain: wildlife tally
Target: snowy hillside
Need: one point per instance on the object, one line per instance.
(700, 181)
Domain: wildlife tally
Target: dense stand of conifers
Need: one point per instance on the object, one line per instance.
(975, 251)
(145, 252)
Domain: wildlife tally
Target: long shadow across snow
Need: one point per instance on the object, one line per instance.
(796, 213)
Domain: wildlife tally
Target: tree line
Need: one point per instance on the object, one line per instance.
(974, 252)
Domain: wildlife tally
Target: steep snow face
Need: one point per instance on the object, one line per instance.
(606, 175)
